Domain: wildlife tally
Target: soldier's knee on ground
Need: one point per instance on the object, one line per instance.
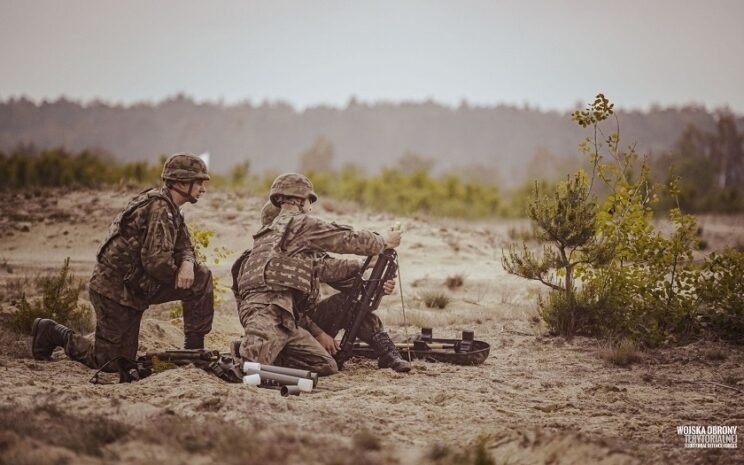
(328, 368)
(260, 349)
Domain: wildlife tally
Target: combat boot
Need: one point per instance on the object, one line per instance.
(193, 341)
(46, 336)
(387, 355)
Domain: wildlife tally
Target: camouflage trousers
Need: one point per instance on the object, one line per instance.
(273, 337)
(117, 326)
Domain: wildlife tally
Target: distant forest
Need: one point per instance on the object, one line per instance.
(503, 145)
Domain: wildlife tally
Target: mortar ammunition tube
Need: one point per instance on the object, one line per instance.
(282, 371)
(290, 391)
(305, 385)
(253, 379)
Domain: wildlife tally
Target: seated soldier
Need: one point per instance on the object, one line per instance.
(278, 282)
(147, 258)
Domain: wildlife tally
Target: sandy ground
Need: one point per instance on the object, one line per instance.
(537, 399)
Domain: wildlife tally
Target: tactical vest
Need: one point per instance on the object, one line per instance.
(270, 268)
(123, 253)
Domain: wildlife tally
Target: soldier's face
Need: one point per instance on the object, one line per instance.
(307, 207)
(200, 188)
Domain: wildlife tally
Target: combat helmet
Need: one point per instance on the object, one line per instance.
(184, 167)
(292, 185)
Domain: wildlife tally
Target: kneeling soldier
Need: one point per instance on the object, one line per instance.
(147, 258)
(278, 285)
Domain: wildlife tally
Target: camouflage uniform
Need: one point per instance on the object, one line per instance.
(136, 266)
(278, 286)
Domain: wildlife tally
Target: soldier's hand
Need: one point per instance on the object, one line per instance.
(388, 286)
(328, 343)
(185, 276)
(392, 239)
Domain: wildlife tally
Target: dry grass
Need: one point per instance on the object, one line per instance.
(716, 355)
(12, 344)
(15, 289)
(623, 353)
(428, 318)
(435, 299)
(5, 266)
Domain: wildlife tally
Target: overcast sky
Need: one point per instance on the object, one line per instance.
(546, 53)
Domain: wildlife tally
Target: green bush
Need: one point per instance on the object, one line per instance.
(201, 238)
(28, 167)
(59, 301)
(403, 193)
(611, 273)
(722, 294)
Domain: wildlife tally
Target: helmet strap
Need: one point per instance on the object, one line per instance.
(302, 207)
(189, 196)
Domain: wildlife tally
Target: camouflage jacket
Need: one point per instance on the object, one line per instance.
(313, 237)
(147, 243)
(336, 272)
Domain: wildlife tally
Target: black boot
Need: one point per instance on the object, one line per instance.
(193, 341)
(46, 336)
(387, 355)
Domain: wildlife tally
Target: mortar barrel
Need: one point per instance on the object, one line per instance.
(282, 371)
(305, 384)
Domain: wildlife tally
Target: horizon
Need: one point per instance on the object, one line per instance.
(524, 106)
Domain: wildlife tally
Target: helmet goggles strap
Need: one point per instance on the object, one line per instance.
(188, 194)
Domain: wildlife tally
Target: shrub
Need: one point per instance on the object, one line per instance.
(59, 301)
(610, 271)
(201, 239)
(454, 281)
(722, 293)
(434, 299)
(401, 192)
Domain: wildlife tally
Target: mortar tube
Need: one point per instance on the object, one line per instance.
(282, 371)
(253, 379)
(305, 385)
(406, 345)
(290, 391)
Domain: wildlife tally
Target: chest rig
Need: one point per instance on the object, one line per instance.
(121, 248)
(270, 268)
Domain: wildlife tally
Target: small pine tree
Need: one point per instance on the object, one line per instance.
(634, 281)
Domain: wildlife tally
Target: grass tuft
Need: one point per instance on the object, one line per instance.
(454, 281)
(623, 353)
(716, 354)
(436, 299)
